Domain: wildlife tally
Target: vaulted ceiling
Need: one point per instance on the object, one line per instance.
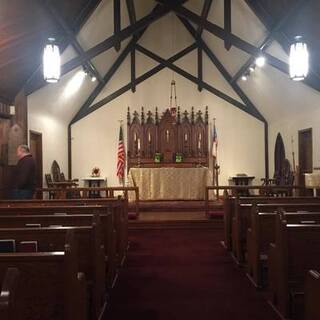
(25, 26)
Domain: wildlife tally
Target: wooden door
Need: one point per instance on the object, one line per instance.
(305, 151)
(305, 156)
(36, 151)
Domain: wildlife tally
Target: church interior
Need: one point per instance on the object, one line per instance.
(159, 160)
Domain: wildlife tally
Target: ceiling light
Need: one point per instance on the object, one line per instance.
(93, 78)
(244, 77)
(260, 61)
(298, 59)
(252, 68)
(51, 61)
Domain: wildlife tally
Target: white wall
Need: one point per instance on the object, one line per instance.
(288, 106)
(50, 110)
(95, 138)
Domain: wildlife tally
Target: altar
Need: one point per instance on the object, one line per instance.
(170, 183)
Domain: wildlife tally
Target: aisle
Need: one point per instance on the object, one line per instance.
(184, 274)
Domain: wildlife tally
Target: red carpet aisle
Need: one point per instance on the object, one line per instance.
(184, 274)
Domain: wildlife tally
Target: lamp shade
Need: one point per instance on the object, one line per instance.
(298, 60)
(51, 61)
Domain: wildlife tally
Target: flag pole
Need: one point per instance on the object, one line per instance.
(215, 160)
(121, 124)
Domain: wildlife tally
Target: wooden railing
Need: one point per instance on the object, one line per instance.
(237, 191)
(86, 193)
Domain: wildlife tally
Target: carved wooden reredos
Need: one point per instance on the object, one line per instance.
(168, 135)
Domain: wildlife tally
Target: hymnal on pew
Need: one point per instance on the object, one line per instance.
(28, 246)
(7, 246)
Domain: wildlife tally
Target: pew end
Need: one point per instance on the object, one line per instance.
(312, 295)
(7, 294)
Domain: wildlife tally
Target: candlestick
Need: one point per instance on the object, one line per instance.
(185, 137)
(135, 137)
(138, 144)
(149, 137)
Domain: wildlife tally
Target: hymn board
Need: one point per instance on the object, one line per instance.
(172, 139)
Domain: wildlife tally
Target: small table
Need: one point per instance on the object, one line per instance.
(94, 182)
(242, 181)
(312, 181)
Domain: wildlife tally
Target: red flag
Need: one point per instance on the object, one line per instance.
(121, 156)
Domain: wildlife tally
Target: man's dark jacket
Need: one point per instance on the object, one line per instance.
(25, 174)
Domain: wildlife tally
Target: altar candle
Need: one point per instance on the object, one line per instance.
(149, 137)
(199, 144)
(138, 144)
(135, 137)
(200, 136)
(185, 137)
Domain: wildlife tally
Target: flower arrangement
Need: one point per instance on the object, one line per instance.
(95, 172)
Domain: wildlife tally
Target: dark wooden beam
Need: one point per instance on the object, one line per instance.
(195, 80)
(271, 36)
(200, 68)
(243, 45)
(253, 110)
(131, 11)
(69, 153)
(139, 80)
(133, 70)
(72, 37)
(266, 149)
(227, 23)
(109, 42)
(106, 78)
(85, 13)
(204, 15)
(117, 22)
(313, 79)
(36, 81)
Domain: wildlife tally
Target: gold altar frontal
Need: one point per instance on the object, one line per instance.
(170, 183)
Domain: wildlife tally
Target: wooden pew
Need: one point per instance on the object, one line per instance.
(8, 293)
(241, 221)
(295, 251)
(262, 232)
(312, 295)
(84, 195)
(230, 203)
(116, 208)
(49, 286)
(108, 232)
(117, 205)
(91, 255)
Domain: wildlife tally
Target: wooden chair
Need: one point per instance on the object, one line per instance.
(49, 182)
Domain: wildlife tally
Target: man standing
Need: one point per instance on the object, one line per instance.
(24, 180)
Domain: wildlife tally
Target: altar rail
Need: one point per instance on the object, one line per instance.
(85, 193)
(237, 191)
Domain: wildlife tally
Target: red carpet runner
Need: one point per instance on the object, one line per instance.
(184, 274)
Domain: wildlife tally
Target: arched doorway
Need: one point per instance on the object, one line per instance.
(279, 155)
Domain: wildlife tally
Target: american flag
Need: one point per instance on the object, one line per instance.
(121, 156)
(214, 146)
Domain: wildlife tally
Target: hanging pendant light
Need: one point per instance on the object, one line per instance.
(299, 59)
(51, 61)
